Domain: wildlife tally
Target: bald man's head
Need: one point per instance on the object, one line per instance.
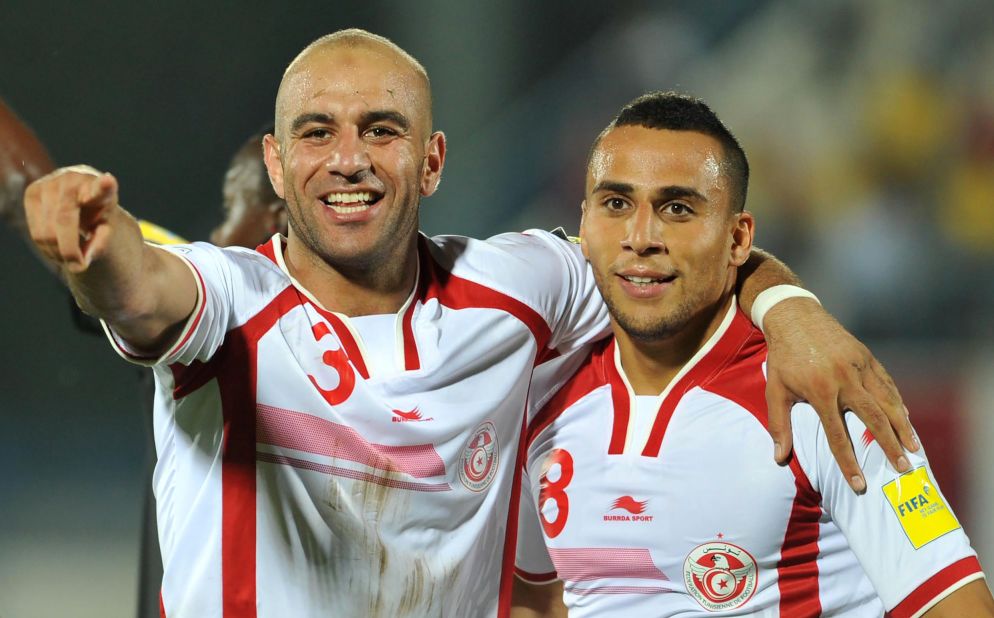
(339, 56)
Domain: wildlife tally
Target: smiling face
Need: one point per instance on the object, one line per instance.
(354, 154)
(659, 231)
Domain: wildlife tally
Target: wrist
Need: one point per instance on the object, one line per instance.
(772, 296)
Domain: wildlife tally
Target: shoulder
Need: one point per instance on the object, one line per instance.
(504, 256)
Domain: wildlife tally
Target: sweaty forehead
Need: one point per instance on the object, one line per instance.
(353, 77)
(656, 157)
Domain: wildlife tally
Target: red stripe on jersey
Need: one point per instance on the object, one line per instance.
(312, 434)
(511, 532)
(457, 293)
(797, 570)
(189, 378)
(936, 587)
(237, 372)
(268, 249)
(620, 401)
(588, 376)
(237, 376)
(412, 360)
(535, 578)
(725, 350)
(162, 606)
(580, 564)
(348, 473)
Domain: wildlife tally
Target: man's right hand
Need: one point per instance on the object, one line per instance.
(69, 215)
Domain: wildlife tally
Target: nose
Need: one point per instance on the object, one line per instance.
(645, 232)
(349, 157)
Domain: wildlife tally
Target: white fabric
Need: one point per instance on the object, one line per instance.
(358, 510)
(713, 482)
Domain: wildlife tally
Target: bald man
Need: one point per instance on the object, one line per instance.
(339, 413)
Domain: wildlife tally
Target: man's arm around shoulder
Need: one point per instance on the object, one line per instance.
(144, 293)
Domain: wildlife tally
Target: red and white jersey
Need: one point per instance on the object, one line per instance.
(673, 505)
(311, 464)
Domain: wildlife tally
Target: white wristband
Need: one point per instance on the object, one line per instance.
(771, 296)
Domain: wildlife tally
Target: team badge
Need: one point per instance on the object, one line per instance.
(917, 504)
(720, 576)
(480, 458)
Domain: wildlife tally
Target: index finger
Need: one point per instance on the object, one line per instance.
(841, 446)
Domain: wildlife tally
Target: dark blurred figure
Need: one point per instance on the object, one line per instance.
(252, 214)
(252, 210)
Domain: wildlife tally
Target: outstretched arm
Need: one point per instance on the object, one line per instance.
(144, 293)
(813, 358)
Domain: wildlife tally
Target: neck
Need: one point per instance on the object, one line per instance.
(651, 365)
(356, 291)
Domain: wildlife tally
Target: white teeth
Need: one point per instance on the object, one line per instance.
(641, 280)
(347, 198)
(344, 210)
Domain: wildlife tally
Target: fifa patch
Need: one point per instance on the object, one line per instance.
(480, 458)
(919, 507)
(720, 576)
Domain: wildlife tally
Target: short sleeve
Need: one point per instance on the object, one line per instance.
(531, 563)
(553, 274)
(902, 530)
(217, 280)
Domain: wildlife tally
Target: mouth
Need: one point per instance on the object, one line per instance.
(647, 281)
(350, 202)
(645, 285)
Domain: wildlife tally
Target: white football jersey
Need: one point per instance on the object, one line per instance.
(301, 474)
(673, 506)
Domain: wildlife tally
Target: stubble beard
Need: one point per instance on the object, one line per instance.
(653, 328)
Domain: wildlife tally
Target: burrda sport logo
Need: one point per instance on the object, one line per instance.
(720, 576)
(480, 458)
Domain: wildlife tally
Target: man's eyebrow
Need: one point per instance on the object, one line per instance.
(676, 192)
(308, 118)
(613, 186)
(379, 115)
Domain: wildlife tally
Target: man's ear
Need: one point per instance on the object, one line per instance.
(743, 231)
(431, 169)
(274, 164)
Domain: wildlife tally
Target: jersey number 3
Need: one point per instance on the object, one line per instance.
(555, 490)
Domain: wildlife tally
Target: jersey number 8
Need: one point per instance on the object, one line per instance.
(555, 490)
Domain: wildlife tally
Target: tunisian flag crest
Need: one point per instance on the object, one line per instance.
(480, 458)
(720, 575)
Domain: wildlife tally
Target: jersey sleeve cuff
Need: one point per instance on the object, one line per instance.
(128, 353)
(938, 587)
(535, 578)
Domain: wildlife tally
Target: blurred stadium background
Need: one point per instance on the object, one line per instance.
(869, 124)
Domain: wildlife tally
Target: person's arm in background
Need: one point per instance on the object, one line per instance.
(813, 358)
(23, 159)
(142, 292)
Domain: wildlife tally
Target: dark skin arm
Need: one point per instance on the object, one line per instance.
(813, 358)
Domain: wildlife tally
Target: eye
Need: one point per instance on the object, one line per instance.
(678, 208)
(615, 203)
(319, 133)
(380, 132)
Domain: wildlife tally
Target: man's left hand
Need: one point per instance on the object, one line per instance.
(813, 358)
